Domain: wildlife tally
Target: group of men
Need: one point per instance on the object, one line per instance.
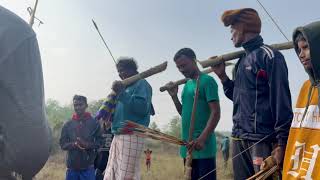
(81, 136)
(262, 111)
(264, 123)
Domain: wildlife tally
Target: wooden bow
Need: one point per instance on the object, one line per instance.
(188, 164)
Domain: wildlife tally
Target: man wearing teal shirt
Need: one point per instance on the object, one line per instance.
(207, 116)
(134, 104)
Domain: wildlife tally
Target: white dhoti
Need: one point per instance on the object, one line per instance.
(124, 158)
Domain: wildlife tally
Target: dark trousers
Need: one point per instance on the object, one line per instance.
(248, 163)
(201, 167)
(100, 164)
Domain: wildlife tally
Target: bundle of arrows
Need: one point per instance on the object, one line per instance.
(129, 127)
(268, 170)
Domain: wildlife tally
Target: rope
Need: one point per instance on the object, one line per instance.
(269, 14)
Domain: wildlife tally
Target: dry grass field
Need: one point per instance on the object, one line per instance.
(166, 165)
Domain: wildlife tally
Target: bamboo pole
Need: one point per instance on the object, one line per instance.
(238, 54)
(33, 14)
(176, 83)
(106, 110)
(152, 71)
(188, 164)
(183, 81)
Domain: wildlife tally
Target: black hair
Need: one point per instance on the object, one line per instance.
(188, 52)
(299, 37)
(127, 63)
(80, 98)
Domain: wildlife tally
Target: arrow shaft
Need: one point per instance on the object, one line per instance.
(104, 42)
(31, 22)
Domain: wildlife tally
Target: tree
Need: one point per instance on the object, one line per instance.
(154, 126)
(57, 115)
(174, 128)
(94, 106)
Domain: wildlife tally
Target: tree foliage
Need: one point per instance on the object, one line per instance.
(94, 106)
(174, 127)
(154, 126)
(58, 114)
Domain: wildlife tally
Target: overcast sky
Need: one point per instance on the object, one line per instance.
(76, 62)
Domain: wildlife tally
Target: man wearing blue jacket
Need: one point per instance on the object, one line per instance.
(260, 93)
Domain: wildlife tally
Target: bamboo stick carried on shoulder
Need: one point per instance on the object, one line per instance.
(108, 106)
(223, 58)
(152, 71)
(238, 54)
(183, 81)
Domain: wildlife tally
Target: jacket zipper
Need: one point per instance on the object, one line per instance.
(255, 108)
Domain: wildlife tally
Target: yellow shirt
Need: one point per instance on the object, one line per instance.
(302, 158)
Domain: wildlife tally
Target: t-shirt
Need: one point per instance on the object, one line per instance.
(108, 136)
(302, 158)
(208, 92)
(134, 104)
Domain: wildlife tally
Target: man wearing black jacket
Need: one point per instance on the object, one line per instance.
(101, 161)
(81, 138)
(260, 94)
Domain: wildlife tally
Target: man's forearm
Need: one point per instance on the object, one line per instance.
(228, 86)
(177, 103)
(223, 78)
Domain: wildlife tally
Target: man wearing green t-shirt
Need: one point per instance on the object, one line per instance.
(203, 145)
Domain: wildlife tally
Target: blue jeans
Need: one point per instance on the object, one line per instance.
(85, 174)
